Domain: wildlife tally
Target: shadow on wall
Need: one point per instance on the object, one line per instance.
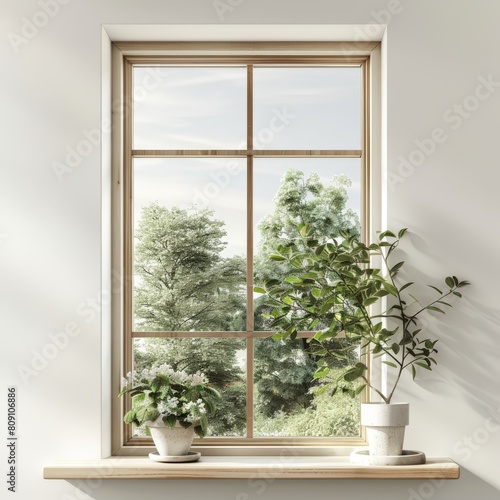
(469, 333)
(467, 487)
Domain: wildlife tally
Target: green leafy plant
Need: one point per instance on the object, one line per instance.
(335, 290)
(170, 396)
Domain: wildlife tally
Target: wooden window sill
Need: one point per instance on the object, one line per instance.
(243, 467)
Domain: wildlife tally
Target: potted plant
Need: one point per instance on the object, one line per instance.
(336, 292)
(173, 406)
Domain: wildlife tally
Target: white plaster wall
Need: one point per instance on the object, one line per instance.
(50, 232)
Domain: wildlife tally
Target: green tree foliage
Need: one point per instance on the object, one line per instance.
(283, 375)
(325, 416)
(182, 281)
(303, 200)
(285, 371)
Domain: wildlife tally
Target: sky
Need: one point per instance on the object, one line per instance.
(205, 108)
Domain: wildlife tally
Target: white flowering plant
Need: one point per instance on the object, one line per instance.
(170, 396)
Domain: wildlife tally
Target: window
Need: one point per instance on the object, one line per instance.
(226, 148)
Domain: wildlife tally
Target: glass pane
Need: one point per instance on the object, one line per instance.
(189, 108)
(321, 192)
(222, 360)
(307, 108)
(189, 244)
(284, 392)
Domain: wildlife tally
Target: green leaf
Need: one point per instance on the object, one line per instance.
(303, 230)
(458, 294)
(386, 233)
(389, 363)
(369, 301)
(169, 421)
(395, 348)
(435, 309)
(277, 256)
(321, 390)
(449, 281)
(359, 390)
(391, 289)
(396, 267)
(405, 340)
(319, 250)
(413, 372)
(444, 303)
(292, 280)
(309, 276)
(355, 372)
(320, 373)
(406, 286)
(402, 232)
(423, 365)
(185, 423)
(129, 417)
(258, 289)
(436, 288)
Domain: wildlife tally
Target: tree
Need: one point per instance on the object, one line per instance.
(283, 375)
(302, 200)
(285, 370)
(183, 283)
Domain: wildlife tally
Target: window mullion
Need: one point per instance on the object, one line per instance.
(249, 296)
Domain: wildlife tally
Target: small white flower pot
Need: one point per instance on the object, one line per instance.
(385, 427)
(171, 442)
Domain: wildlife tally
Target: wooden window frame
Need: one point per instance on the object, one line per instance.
(125, 55)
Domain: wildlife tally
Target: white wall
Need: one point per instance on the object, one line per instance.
(50, 231)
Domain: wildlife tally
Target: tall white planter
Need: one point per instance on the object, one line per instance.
(385, 427)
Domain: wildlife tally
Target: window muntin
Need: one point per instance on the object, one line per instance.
(255, 156)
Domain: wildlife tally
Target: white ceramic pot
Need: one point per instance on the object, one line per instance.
(171, 442)
(385, 427)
